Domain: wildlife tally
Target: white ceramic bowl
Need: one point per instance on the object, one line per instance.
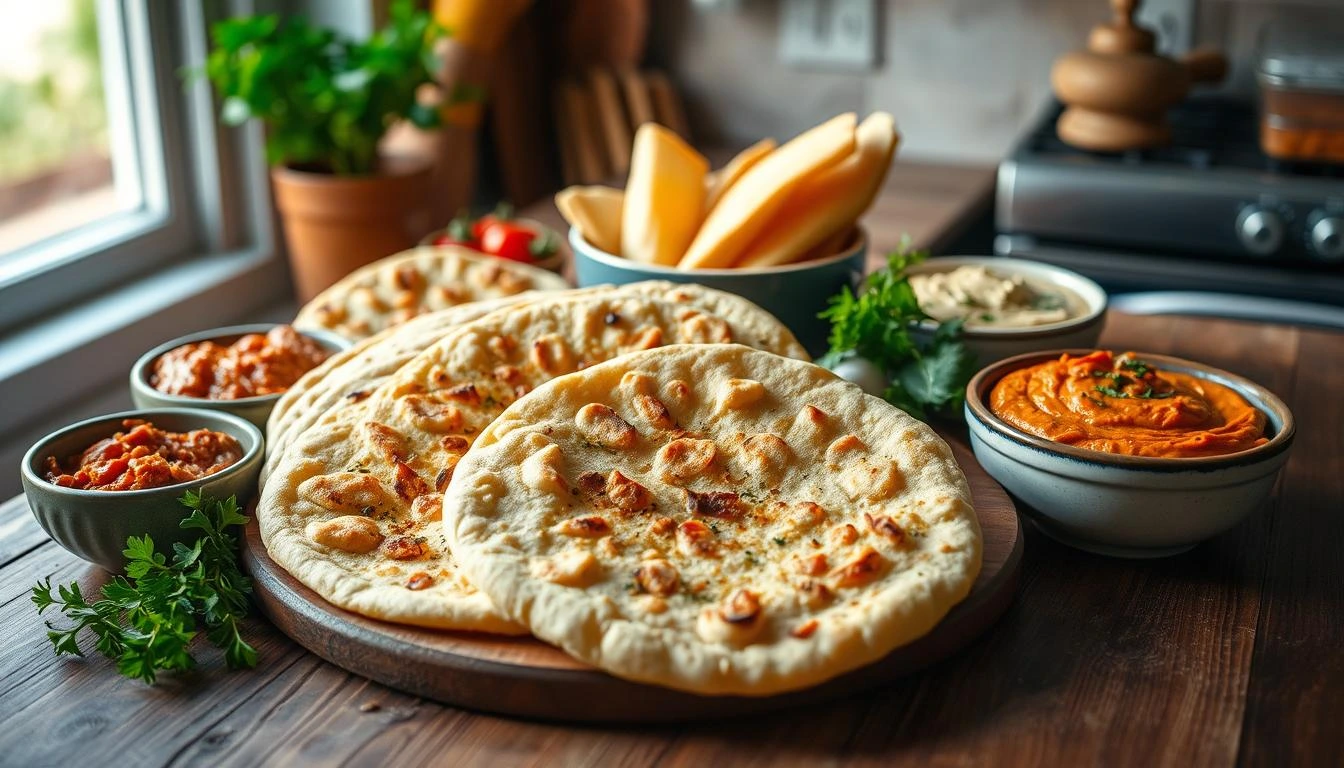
(992, 344)
(1128, 506)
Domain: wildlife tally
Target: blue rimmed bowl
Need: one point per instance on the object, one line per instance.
(255, 409)
(794, 293)
(94, 525)
(1128, 506)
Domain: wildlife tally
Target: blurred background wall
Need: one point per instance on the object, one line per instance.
(950, 106)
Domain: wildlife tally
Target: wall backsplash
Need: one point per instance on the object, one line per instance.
(963, 77)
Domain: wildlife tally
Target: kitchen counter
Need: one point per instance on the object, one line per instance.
(1226, 655)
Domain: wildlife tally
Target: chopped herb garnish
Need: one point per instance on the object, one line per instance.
(1118, 378)
(1047, 301)
(1136, 366)
(986, 317)
(751, 558)
(1110, 391)
(781, 541)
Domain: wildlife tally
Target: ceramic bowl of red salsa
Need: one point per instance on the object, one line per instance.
(95, 483)
(1127, 454)
(243, 369)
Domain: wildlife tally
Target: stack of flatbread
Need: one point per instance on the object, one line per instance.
(650, 477)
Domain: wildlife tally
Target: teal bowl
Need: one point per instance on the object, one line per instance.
(255, 409)
(794, 293)
(94, 525)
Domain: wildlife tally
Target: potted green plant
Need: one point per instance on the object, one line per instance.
(326, 101)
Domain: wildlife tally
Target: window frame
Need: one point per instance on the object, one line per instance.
(197, 196)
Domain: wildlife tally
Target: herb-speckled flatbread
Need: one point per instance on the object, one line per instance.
(715, 519)
(353, 507)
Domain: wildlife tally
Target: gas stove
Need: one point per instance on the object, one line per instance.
(1209, 212)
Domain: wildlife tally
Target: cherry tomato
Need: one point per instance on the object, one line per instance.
(478, 226)
(508, 240)
(503, 212)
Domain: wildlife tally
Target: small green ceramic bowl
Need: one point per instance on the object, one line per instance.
(794, 293)
(94, 525)
(254, 409)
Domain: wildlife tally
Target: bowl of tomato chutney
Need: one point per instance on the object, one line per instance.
(95, 483)
(243, 370)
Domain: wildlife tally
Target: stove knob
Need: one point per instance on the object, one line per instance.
(1260, 230)
(1327, 239)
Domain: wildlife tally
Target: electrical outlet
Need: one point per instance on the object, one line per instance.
(1173, 21)
(829, 34)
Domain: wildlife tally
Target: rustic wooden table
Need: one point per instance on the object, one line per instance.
(1228, 654)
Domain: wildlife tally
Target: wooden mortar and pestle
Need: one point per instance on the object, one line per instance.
(1118, 91)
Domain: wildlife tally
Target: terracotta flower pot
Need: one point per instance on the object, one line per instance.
(335, 224)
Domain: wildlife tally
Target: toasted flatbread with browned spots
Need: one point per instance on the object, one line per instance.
(348, 377)
(715, 519)
(393, 290)
(352, 508)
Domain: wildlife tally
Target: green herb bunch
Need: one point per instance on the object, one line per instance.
(875, 324)
(326, 101)
(146, 622)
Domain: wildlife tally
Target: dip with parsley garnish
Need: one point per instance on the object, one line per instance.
(1124, 405)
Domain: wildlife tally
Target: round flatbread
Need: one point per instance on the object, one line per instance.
(351, 376)
(393, 290)
(353, 507)
(714, 519)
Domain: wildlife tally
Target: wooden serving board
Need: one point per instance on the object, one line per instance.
(527, 678)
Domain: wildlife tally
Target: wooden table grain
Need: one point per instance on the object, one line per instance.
(1230, 654)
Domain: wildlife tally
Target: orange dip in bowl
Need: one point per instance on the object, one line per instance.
(144, 456)
(252, 366)
(1126, 406)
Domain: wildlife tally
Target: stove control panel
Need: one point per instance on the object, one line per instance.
(1327, 237)
(1260, 230)
(1284, 229)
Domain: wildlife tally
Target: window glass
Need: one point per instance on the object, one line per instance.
(57, 170)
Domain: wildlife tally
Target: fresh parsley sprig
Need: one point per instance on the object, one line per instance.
(875, 324)
(147, 619)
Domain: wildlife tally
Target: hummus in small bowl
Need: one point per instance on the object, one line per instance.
(1009, 306)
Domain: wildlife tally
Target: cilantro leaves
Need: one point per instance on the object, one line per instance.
(1141, 371)
(875, 324)
(146, 620)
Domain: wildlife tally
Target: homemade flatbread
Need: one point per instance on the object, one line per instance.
(714, 519)
(353, 506)
(393, 290)
(351, 376)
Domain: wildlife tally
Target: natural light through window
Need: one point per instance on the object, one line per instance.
(56, 169)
